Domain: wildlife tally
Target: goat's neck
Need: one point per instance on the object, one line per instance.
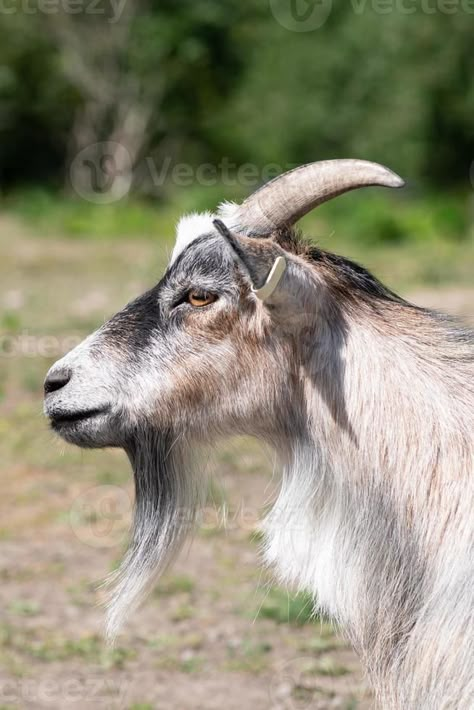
(363, 520)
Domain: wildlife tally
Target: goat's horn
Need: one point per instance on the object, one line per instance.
(287, 198)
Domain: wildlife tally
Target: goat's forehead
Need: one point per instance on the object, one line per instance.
(191, 228)
(207, 256)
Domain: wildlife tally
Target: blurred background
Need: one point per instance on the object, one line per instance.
(115, 118)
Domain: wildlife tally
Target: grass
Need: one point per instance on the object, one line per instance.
(283, 608)
(81, 594)
(47, 647)
(62, 276)
(327, 666)
(407, 242)
(191, 664)
(249, 657)
(322, 641)
(182, 613)
(174, 584)
(24, 607)
(432, 235)
(164, 643)
(54, 214)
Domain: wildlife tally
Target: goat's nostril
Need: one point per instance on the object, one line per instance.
(56, 380)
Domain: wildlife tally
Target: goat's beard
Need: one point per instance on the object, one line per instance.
(167, 497)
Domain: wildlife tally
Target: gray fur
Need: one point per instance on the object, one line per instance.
(368, 401)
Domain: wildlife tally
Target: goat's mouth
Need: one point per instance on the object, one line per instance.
(66, 419)
(84, 427)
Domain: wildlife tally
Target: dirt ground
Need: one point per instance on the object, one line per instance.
(217, 632)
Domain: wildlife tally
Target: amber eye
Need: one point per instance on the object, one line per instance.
(201, 298)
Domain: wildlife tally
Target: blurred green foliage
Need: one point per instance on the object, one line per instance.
(225, 78)
(378, 218)
(225, 88)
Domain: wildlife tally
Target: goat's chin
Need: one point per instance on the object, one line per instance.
(166, 500)
(94, 430)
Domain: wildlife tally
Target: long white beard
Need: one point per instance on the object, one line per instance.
(167, 497)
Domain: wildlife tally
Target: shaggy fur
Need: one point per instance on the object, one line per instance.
(165, 491)
(378, 495)
(368, 401)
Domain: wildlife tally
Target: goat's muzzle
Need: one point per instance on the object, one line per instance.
(84, 421)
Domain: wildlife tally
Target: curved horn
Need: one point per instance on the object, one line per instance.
(287, 198)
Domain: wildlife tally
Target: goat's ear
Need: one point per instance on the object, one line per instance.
(277, 278)
(264, 260)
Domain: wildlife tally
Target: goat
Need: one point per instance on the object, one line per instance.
(367, 399)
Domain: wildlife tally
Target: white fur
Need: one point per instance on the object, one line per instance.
(229, 213)
(395, 496)
(370, 405)
(195, 225)
(189, 228)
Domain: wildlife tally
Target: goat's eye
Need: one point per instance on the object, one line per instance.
(201, 298)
